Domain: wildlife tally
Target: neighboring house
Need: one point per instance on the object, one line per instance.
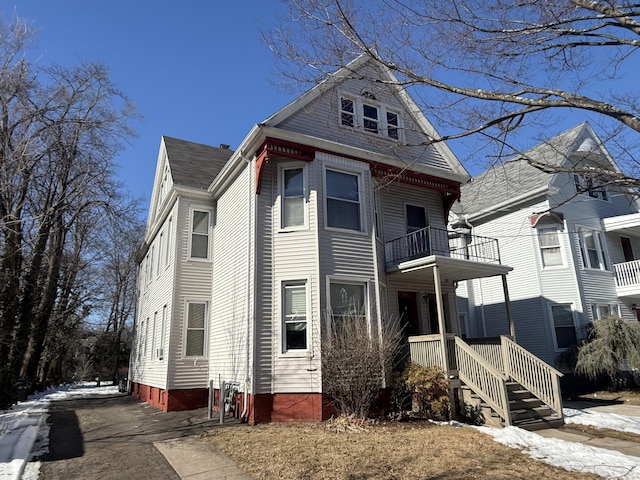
(337, 203)
(572, 243)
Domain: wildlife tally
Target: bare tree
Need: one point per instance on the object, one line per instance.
(60, 130)
(483, 68)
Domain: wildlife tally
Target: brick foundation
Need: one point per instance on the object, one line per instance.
(171, 400)
(263, 408)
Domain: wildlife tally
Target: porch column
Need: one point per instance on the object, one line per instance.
(441, 324)
(507, 304)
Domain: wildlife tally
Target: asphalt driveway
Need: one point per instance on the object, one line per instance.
(112, 438)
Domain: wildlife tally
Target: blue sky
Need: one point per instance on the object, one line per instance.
(196, 70)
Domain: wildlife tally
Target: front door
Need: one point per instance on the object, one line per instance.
(408, 310)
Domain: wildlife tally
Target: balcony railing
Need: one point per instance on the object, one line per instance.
(437, 241)
(627, 274)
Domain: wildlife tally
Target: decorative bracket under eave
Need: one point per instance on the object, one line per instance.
(280, 148)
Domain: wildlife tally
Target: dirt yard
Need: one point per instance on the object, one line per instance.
(383, 450)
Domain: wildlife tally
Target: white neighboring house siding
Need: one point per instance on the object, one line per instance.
(156, 292)
(232, 294)
(294, 258)
(193, 282)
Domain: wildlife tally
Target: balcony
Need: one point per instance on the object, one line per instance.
(627, 278)
(445, 243)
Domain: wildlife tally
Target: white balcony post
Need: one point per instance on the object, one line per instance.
(441, 324)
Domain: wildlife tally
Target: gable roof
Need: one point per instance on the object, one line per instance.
(388, 78)
(516, 180)
(193, 164)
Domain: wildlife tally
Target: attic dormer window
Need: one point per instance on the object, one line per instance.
(367, 114)
(587, 185)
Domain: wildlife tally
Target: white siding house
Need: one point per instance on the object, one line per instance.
(571, 241)
(338, 199)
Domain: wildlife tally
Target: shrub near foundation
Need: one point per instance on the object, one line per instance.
(429, 389)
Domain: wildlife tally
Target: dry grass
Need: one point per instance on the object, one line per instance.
(603, 432)
(630, 397)
(383, 450)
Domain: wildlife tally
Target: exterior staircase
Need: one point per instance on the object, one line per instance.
(502, 383)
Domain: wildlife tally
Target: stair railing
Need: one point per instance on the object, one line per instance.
(487, 382)
(540, 378)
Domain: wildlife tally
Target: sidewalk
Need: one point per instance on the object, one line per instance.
(622, 446)
(194, 459)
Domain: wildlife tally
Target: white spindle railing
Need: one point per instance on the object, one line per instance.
(627, 273)
(486, 381)
(532, 373)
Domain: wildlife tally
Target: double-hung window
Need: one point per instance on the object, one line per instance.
(194, 344)
(593, 249)
(343, 200)
(563, 325)
(293, 197)
(550, 249)
(200, 234)
(602, 310)
(295, 317)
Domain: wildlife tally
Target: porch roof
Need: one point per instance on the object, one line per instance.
(625, 224)
(452, 269)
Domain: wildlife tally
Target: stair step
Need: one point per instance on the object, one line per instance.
(529, 402)
(550, 421)
(531, 413)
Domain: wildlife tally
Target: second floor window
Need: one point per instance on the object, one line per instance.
(200, 234)
(549, 240)
(293, 208)
(593, 249)
(343, 200)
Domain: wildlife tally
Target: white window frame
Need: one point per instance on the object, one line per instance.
(154, 327)
(358, 118)
(377, 214)
(192, 212)
(600, 248)
(281, 184)
(598, 314)
(160, 245)
(358, 281)
(151, 260)
(553, 324)
(557, 229)
(361, 216)
(163, 325)
(187, 329)
(288, 318)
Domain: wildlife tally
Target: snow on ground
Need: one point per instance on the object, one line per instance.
(24, 434)
(571, 456)
(622, 423)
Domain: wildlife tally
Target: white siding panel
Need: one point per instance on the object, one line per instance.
(232, 302)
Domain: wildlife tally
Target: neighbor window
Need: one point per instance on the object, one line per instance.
(602, 310)
(293, 201)
(195, 331)
(347, 300)
(347, 113)
(200, 234)
(343, 200)
(564, 326)
(549, 240)
(593, 249)
(295, 316)
(588, 185)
